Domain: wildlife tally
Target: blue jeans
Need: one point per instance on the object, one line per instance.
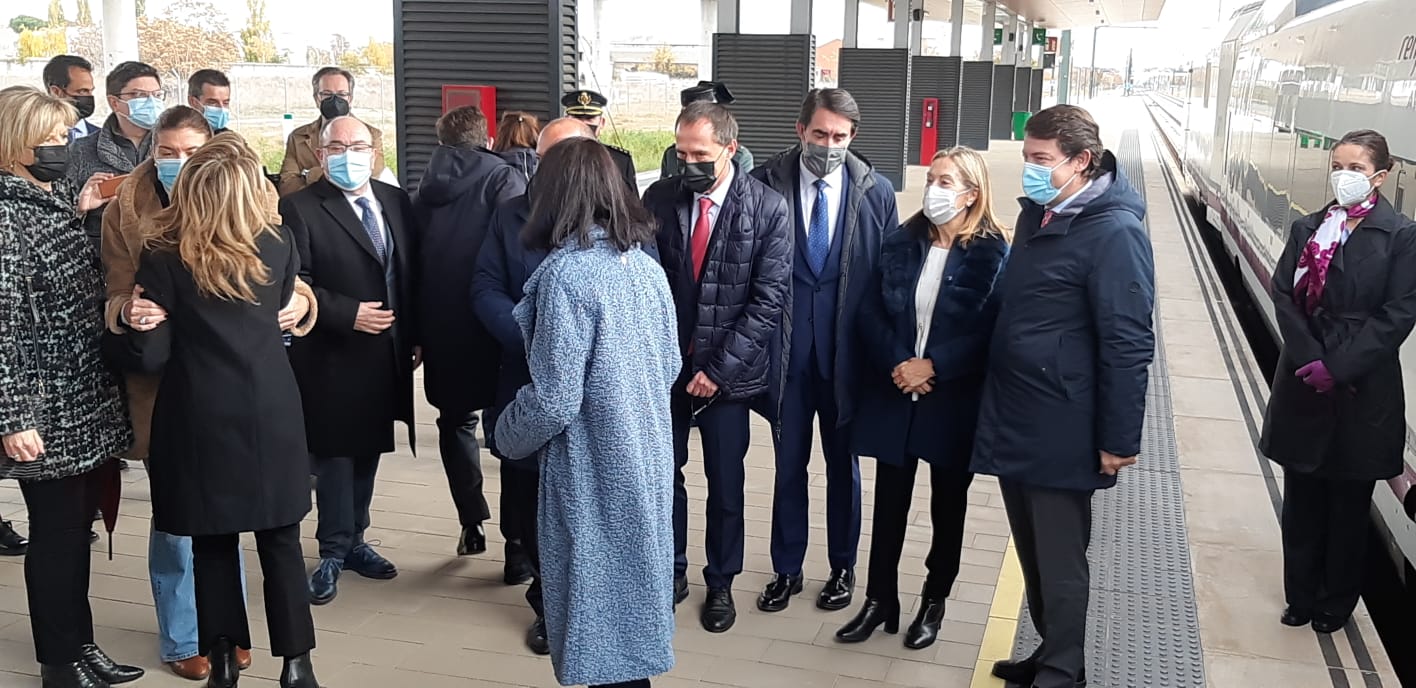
(170, 570)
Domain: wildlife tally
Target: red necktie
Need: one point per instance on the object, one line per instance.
(1046, 218)
(701, 229)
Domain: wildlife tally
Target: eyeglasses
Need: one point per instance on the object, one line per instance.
(130, 95)
(341, 149)
(330, 94)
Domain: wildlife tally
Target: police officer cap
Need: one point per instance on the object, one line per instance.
(584, 103)
(707, 92)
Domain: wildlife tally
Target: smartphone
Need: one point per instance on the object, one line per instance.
(109, 188)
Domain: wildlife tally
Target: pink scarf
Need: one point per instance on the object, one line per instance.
(1310, 277)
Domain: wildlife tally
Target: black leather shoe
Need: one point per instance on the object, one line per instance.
(93, 536)
(12, 544)
(1019, 671)
(105, 668)
(837, 593)
(74, 675)
(473, 541)
(680, 589)
(719, 613)
(364, 561)
(225, 670)
(778, 593)
(324, 583)
(925, 629)
(871, 616)
(518, 570)
(298, 673)
(1328, 623)
(536, 637)
(1292, 616)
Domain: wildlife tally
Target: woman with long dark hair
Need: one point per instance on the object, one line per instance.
(516, 141)
(602, 349)
(1344, 293)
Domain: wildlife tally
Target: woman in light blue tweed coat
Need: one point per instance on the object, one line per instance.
(600, 330)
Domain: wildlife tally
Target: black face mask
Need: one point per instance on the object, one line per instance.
(334, 106)
(50, 163)
(699, 177)
(85, 105)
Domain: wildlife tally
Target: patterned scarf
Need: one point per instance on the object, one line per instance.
(1311, 276)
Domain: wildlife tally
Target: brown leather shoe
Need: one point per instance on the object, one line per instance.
(192, 668)
(243, 658)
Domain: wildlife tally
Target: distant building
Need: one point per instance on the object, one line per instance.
(677, 61)
(828, 61)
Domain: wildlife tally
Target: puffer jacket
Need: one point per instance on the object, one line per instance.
(51, 369)
(727, 319)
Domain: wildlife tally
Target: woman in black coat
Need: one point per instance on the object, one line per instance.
(228, 441)
(1344, 293)
(925, 329)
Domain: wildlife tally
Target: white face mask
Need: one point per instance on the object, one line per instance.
(941, 205)
(1351, 188)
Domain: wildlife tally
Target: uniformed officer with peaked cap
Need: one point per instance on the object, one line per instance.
(587, 105)
(708, 92)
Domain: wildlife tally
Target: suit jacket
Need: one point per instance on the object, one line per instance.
(354, 385)
(301, 167)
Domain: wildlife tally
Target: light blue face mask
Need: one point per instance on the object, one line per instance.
(1037, 182)
(167, 169)
(350, 170)
(217, 117)
(143, 112)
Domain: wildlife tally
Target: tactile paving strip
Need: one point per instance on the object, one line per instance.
(1142, 627)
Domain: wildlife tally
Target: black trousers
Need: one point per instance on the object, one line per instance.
(457, 442)
(1324, 542)
(221, 608)
(1051, 531)
(723, 427)
(948, 505)
(520, 491)
(57, 564)
(343, 492)
(641, 683)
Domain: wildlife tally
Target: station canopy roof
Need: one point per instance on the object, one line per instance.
(1052, 14)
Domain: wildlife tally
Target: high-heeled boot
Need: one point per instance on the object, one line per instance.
(871, 616)
(298, 673)
(925, 629)
(225, 671)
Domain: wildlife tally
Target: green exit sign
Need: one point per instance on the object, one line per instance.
(1039, 36)
(998, 36)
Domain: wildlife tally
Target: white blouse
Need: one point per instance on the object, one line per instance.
(926, 294)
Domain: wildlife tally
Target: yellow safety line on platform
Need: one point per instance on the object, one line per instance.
(1002, 628)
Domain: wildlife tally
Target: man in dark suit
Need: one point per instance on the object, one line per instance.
(726, 247)
(589, 107)
(843, 210)
(357, 251)
(503, 265)
(461, 189)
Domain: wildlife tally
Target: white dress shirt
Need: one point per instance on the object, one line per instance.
(807, 188)
(717, 195)
(931, 276)
(368, 193)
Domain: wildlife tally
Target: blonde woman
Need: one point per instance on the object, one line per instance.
(926, 326)
(228, 450)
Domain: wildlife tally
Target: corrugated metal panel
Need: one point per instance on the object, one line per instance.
(1022, 89)
(934, 77)
(975, 104)
(880, 82)
(525, 48)
(1035, 97)
(770, 76)
(1002, 118)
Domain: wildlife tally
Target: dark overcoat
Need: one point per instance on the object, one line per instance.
(354, 385)
(1368, 307)
(939, 426)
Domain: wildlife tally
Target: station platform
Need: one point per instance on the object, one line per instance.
(1187, 571)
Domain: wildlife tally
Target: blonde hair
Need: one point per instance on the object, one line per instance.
(27, 117)
(979, 219)
(219, 211)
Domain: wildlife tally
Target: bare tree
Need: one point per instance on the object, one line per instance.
(188, 37)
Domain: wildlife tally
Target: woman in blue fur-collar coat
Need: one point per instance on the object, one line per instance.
(925, 328)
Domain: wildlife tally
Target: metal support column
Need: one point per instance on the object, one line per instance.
(120, 32)
(1064, 67)
(903, 24)
(729, 16)
(989, 23)
(852, 32)
(916, 27)
(1025, 46)
(956, 29)
(801, 17)
(1009, 54)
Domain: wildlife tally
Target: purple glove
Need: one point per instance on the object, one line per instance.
(1316, 375)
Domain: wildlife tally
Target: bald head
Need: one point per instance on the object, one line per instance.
(560, 130)
(346, 130)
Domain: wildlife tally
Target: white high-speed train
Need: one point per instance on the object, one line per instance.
(1255, 121)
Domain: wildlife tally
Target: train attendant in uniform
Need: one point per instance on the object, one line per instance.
(228, 437)
(601, 345)
(589, 107)
(1344, 292)
(925, 328)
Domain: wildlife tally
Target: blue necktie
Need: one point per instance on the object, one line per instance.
(818, 235)
(371, 225)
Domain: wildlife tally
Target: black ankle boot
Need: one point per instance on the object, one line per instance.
(72, 675)
(925, 628)
(298, 673)
(105, 668)
(224, 670)
(871, 616)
